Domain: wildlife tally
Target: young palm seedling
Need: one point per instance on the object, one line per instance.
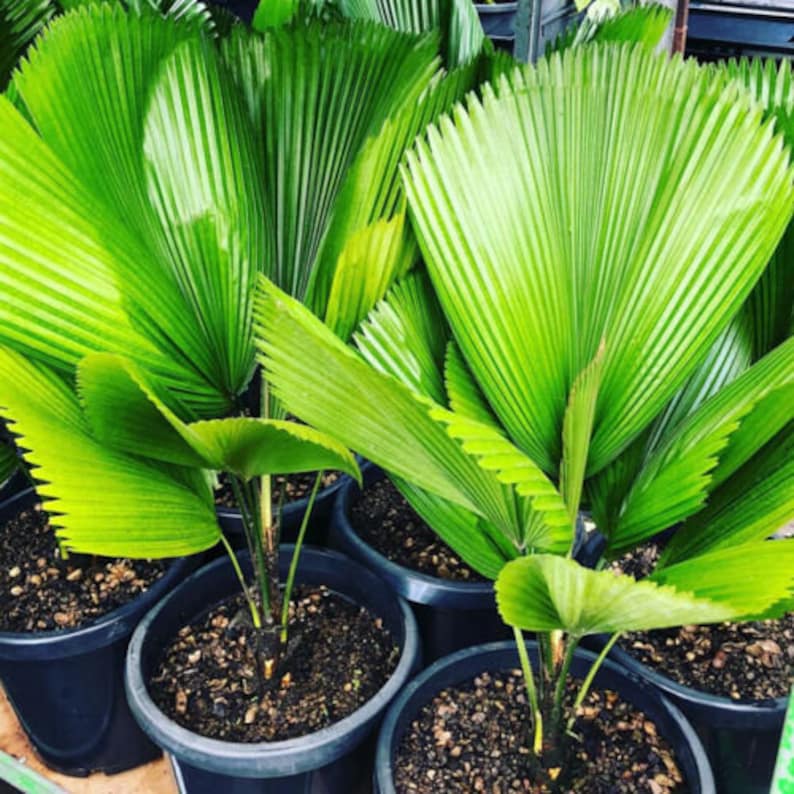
(552, 328)
(148, 175)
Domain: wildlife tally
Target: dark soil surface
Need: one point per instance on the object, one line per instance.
(743, 661)
(339, 656)
(640, 562)
(476, 738)
(384, 519)
(40, 592)
(294, 487)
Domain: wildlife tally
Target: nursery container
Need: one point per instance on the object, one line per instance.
(451, 614)
(67, 687)
(498, 19)
(740, 737)
(783, 782)
(468, 663)
(291, 516)
(330, 761)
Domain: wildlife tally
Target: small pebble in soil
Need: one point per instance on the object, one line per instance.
(39, 591)
(475, 737)
(742, 661)
(383, 518)
(209, 679)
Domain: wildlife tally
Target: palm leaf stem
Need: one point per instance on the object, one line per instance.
(588, 681)
(253, 541)
(241, 579)
(293, 566)
(532, 694)
(562, 679)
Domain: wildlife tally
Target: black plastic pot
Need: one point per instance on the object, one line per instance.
(291, 516)
(67, 687)
(451, 614)
(467, 664)
(243, 9)
(498, 19)
(740, 737)
(330, 761)
(592, 548)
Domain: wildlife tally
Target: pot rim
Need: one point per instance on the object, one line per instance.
(263, 759)
(413, 585)
(496, 8)
(105, 630)
(382, 778)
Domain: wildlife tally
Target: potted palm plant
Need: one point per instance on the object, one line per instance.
(576, 306)
(157, 195)
(66, 620)
(730, 680)
(386, 525)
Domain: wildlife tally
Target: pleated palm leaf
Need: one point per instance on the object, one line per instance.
(22, 20)
(616, 23)
(147, 176)
(624, 499)
(462, 36)
(632, 204)
(758, 498)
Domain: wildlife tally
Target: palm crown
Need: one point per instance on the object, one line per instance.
(149, 174)
(594, 230)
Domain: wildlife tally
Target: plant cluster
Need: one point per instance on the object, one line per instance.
(571, 290)
(612, 333)
(139, 206)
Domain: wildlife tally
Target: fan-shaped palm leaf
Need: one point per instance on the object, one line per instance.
(126, 411)
(20, 21)
(338, 85)
(458, 21)
(764, 322)
(391, 426)
(706, 448)
(750, 506)
(132, 507)
(598, 235)
(644, 24)
(547, 593)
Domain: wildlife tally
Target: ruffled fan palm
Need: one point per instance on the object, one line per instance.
(148, 175)
(590, 228)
